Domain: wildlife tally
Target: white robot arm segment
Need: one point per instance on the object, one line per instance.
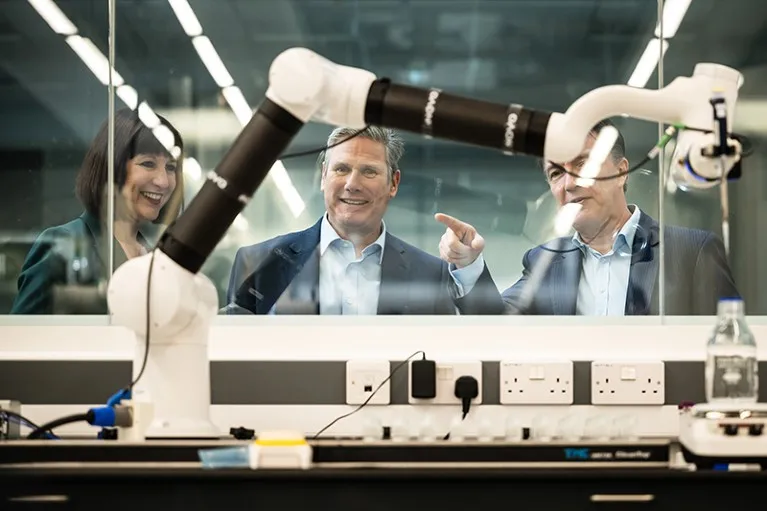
(686, 100)
(311, 87)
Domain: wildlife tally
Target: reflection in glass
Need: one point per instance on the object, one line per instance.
(732, 34)
(348, 262)
(66, 269)
(609, 266)
(210, 61)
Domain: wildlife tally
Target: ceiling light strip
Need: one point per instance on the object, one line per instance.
(232, 94)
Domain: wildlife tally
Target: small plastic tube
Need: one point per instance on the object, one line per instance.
(225, 457)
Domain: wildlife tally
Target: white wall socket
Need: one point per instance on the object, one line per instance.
(362, 379)
(447, 373)
(628, 383)
(536, 383)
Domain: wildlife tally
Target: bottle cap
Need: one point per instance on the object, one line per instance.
(732, 305)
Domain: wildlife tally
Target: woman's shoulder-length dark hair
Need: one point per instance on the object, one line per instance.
(131, 137)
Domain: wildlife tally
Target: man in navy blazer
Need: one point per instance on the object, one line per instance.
(696, 276)
(610, 266)
(347, 262)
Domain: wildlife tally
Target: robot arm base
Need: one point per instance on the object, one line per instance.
(176, 378)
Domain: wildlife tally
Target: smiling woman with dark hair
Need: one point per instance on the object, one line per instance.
(148, 188)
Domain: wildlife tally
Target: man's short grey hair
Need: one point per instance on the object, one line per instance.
(395, 146)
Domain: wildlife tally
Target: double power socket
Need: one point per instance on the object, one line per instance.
(521, 382)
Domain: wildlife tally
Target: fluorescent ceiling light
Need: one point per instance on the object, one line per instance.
(602, 146)
(192, 169)
(129, 96)
(673, 14)
(647, 63)
(147, 116)
(212, 61)
(165, 136)
(285, 186)
(236, 100)
(52, 15)
(240, 223)
(563, 221)
(186, 17)
(238, 104)
(99, 66)
(94, 59)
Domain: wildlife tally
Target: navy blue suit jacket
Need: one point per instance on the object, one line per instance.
(697, 274)
(284, 272)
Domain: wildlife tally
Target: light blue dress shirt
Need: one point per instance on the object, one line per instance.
(349, 285)
(605, 277)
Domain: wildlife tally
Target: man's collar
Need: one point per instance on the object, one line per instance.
(328, 235)
(627, 232)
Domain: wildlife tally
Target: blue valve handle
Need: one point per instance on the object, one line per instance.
(114, 400)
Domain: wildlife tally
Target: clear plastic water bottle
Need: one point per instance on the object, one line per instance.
(731, 364)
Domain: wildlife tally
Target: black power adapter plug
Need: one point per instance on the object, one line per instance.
(423, 378)
(466, 389)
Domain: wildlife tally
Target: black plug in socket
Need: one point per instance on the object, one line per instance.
(466, 389)
(423, 378)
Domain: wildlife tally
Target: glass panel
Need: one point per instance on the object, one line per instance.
(52, 73)
(204, 65)
(732, 34)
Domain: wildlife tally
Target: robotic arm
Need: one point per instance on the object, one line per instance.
(307, 87)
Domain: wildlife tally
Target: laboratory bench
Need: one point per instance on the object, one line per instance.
(372, 489)
(357, 475)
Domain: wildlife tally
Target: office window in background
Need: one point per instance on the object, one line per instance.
(733, 40)
(52, 106)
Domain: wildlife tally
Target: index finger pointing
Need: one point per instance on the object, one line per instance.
(451, 223)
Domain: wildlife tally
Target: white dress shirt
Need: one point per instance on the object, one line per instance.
(350, 285)
(605, 277)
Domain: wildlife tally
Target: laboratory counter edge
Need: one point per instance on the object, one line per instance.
(373, 489)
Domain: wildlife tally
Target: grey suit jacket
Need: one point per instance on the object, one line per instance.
(697, 274)
(283, 273)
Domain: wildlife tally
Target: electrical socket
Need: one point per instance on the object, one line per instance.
(628, 383)
(447, 374)
(363, 377)
(536, 383)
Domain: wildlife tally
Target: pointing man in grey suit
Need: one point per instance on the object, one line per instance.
(609, 267)
(348, 262)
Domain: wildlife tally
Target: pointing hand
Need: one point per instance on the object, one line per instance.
(461, 244)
